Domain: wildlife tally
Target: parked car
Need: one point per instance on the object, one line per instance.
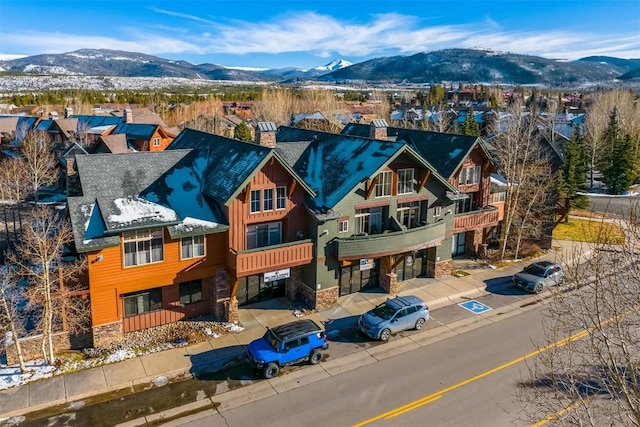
(539, 275)
(287, 344)
(394, 315)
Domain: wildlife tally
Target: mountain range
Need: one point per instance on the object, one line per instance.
(448, 65)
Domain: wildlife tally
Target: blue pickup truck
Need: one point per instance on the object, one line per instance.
(287, 344)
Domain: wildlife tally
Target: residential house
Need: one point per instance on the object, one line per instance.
(379, 211)
(13, 129)
(465, 162)
(184, 232)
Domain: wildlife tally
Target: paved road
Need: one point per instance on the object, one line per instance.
(616, 206)
(439, 377)
(350, 349)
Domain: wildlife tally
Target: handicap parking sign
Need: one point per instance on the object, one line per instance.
(474, 306)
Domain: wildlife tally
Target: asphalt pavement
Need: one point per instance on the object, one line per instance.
(472, 292)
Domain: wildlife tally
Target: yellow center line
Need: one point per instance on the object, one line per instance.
(437, 395)
(561, 412)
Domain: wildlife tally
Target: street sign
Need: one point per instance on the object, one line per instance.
(474, 306)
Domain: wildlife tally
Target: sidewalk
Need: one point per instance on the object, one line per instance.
(140, 372)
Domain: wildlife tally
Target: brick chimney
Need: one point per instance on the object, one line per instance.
(68, 112)
(266, 134)
(378, 129)
(128, 115)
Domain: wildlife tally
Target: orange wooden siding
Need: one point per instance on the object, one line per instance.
(294, 217)
(109, 279)
(269, 259)
(476, 158)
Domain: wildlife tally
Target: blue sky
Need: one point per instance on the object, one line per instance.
(304, 34)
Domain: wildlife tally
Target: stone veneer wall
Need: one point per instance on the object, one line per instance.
(439, 269)
(266, 138)
(388, 282)
(474, 241)
(221, 294)
(107, 333)
(298, 292)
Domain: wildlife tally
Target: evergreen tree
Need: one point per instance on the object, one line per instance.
(470, 126)
(242, 132)
(618, 167)
(573, 175)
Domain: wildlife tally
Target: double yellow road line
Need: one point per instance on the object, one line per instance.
(437, 395)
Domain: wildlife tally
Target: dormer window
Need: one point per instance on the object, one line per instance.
(383, 185)
(405, 181)
(469, 176)
(156, 142)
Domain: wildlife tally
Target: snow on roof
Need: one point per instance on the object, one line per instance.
(192, 224)
(135, 210)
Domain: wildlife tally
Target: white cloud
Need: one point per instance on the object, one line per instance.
(325, 36)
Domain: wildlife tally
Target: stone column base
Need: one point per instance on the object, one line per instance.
(390, 283)
(439, 269)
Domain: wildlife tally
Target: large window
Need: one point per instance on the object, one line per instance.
(267, 199)
(369, 221)
(262, 235)
(190, 292)
(470, 175)
(383, 185)
(281, 198)
(143, 247)
(192, 247)
(405, 181)
(142, 302)
(255, 201)
(408, 214)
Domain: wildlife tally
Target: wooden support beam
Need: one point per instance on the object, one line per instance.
(292, 187)
(399, 260)
(424, 179)
(247, 193)
(370, 186)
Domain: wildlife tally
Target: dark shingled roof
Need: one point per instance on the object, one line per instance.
(334, 164)
(444, 151)
(140, 190)
(231, 163)
(136, 131)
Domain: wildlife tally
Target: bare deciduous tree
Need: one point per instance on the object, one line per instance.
(37, 153)
(525, 165)
(13, 180)
(276, 105)
(11, 314)
(40, 259)
(588, 369)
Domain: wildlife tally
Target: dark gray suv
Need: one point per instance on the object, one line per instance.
(394, 315)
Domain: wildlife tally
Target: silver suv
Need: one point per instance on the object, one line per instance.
(394, 315)
(539, 275)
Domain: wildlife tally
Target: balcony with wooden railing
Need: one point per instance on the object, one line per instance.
(478, 219)
(392, 242)
(271, 258)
